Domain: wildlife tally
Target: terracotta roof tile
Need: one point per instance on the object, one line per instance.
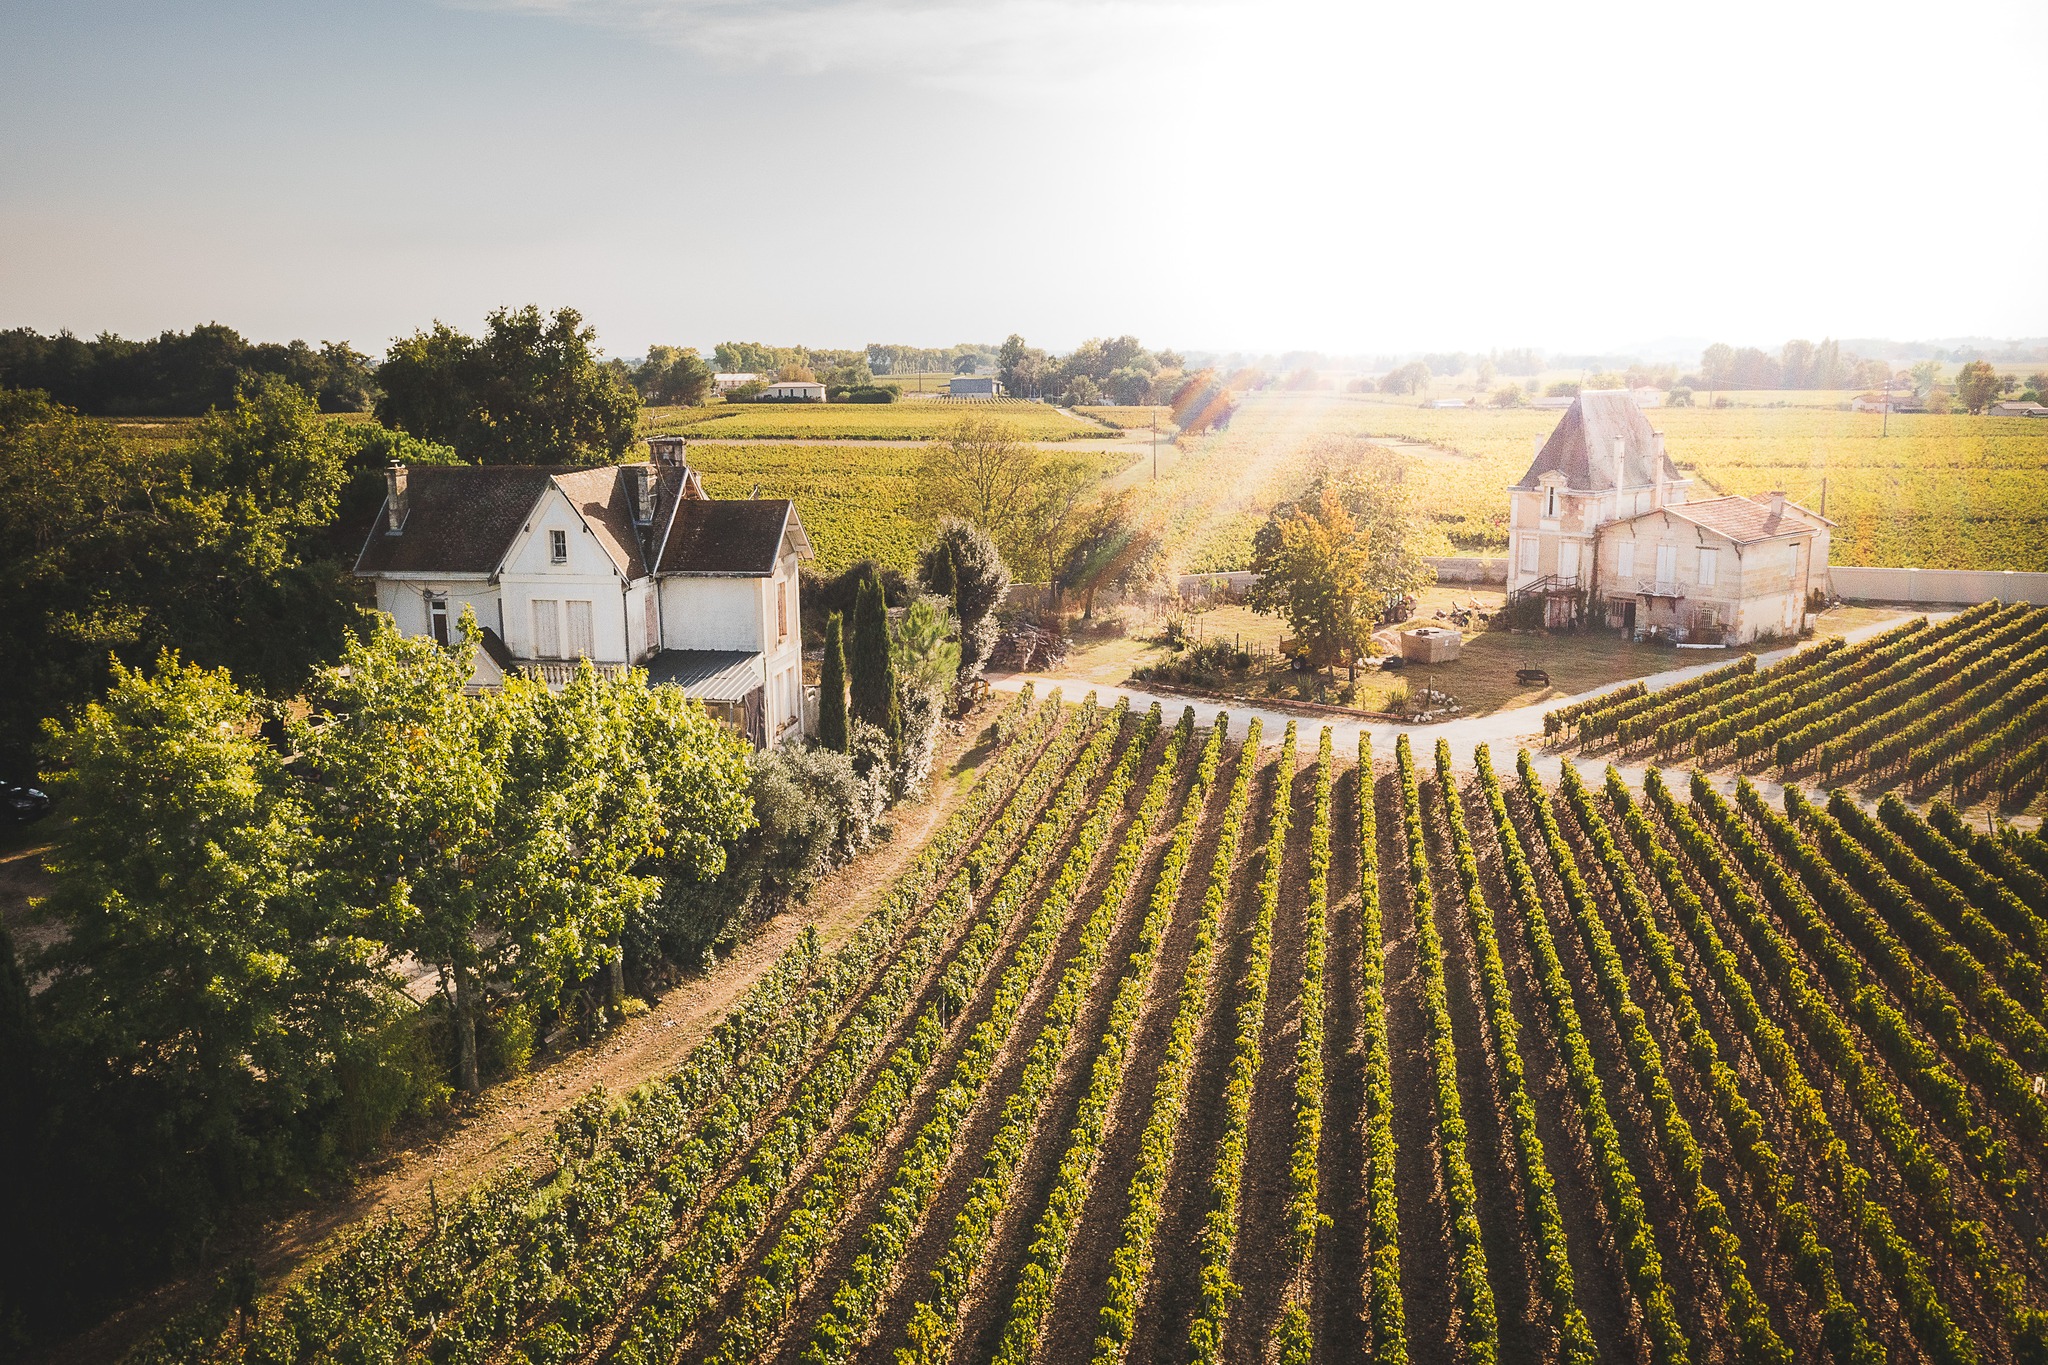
(1746, 520)
(461, 519)
(740, 537)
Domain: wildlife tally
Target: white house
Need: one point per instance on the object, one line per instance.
(794, 391)
(620, 564)
(1602, 520)
(974, 386)
(727, 381)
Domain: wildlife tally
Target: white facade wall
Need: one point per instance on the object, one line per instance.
(405, 601)
(587, 575)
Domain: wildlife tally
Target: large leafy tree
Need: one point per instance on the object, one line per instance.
(200, 988)
(1119, 549)
(673, 376)
(531, 390)
(1977, 385)
(1330, 562)
(501, 837)
(221, 547)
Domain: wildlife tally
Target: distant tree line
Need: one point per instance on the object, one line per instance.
(178, 374)
(1798, 365)
(1118, 370)
(965, 358)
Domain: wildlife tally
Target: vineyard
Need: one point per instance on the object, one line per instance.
(1960, 706)
(1178, 1044)
(909, 420)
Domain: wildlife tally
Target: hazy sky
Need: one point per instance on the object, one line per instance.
(1339, 176)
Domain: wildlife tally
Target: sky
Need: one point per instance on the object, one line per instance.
(1206, 174)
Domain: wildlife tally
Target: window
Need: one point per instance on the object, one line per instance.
(782, 610)
(1568, 559)
(653, 622)
(437, 617)
(1667, 563)
(1624, 559)
(558, 546)
(1710, 565)
(1531, 549)
(1550, 501)
(581, 644)
(547, 628)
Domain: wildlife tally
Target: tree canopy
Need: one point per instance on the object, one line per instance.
(530, 390)
(179, 374)
(1330, 562)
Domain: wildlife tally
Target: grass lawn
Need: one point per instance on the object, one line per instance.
(1481, 679)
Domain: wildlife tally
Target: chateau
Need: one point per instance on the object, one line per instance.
(1603, 524)
(624, 565)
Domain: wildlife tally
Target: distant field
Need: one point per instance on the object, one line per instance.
(1130, 418)
(909, 421)
(1938, 492)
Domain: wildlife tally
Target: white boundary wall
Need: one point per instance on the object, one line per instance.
(1937, 587)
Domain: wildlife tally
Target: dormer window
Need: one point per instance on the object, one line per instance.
(1550, 501)
(558, 547)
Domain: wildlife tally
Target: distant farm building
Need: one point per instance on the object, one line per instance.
(1648, 396)
(1601, 524)
(974, 386)
(2018, 409)
(726, 383)
(1447, 402)
(795, 391)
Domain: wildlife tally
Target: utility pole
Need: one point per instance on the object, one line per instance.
(1823, 495)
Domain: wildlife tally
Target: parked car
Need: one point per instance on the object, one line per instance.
(21, 804)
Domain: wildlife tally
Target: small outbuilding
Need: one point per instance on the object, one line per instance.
(974, 386)
(1430, 645)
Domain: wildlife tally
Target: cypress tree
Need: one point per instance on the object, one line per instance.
(873, 672)
(832, 726)
(939, 573)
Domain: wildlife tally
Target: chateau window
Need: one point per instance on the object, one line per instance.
(1624, 558)
(582, 644)
(1710, 565)
(782, 611)
(437, 617)
(1531, 549)
(1550, 501)
(558, 547)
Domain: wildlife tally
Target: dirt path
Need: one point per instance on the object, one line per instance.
(1070, 1328)
(1426, 1254)
(1260, 1263)
(988, 1304)
(1504, 1224)
(1168, 1301)
(509, 1123)
(1337, 1302)
(861, 1211)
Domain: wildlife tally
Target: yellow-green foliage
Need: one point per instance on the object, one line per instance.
(1130, 418)
(857, 502)
(905, 421)
(1937, 492)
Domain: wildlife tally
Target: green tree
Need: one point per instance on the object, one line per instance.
(199, 978)
(981, 580)
(531, 390)
(935, 568)
(1118, 549)
(1977, 386)
(832, 731)
(872, 669)
(1330, 562)
(672, 376)
(923, 652)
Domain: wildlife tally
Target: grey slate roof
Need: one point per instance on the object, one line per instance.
(462, 519)
(740, 538)
(1582, 446)
(708, 674)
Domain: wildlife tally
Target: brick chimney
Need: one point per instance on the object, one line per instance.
(397, 502)
(641, 482)
(671, 452)
(1620, 460)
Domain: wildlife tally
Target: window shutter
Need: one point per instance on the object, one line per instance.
(1710, 564)
(547, 628)
(580, 641)
(1624, 558)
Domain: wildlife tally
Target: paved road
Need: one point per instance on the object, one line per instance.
(1502, 731)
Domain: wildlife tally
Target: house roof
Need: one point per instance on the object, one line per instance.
(1581, 448)
(740, 538)
(460, 519)
(708, 674)
(601, 497)
(1747, 520)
